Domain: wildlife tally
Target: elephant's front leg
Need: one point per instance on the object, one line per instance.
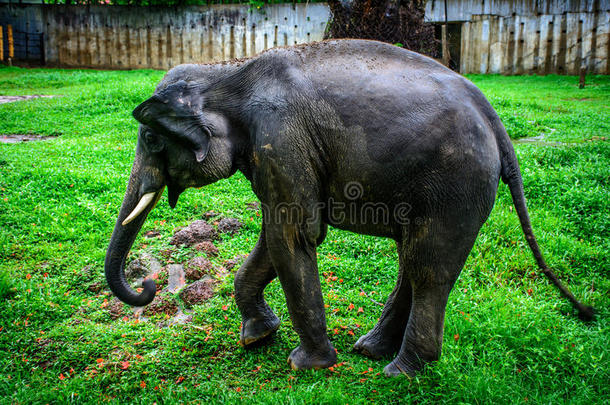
(293, 253)
(258, 320)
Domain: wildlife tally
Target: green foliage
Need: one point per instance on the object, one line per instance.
(6, 287)
(509, 336)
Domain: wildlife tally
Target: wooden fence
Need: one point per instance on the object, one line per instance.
(561, 43)
(126, 37)
(490, 36)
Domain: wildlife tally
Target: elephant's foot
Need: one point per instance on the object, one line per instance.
(299, 359)
(397, 368)
(375, 346)
(409, 363)
(255, 330)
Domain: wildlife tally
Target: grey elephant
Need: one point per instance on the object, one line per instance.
(418, 143)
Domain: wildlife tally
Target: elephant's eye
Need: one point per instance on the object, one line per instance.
(153, 141)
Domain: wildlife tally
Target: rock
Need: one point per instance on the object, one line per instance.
(229, 225)
(162, 304)
(197, 267)
(198, 292)
(141, 267)
(229, 264)
(198, 231)
(176, 279)
(207, 247)
(116, 308)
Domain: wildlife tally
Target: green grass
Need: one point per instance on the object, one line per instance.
(509, 336)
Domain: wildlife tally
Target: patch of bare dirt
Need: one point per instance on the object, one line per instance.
(197, 267)
(229, 225)
(152, 234)
(161, 278)
(196, 232)
(12, 99)
(206, 247)
(210, 214)
(229, 264)
(116, 309)
(253, 206)
(162, 304)
(579, 99)
(19, 138)
(141, 267)
(198, 292)
(180, 318)
(96, 287)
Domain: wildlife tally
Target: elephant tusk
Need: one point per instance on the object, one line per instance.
(144, 202)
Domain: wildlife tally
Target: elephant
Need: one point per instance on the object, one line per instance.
(323, 131)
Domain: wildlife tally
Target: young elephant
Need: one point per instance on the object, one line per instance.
(361, 135)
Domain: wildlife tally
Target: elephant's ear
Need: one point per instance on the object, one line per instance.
(175, 113)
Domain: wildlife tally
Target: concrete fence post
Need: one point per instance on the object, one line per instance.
(9, 37)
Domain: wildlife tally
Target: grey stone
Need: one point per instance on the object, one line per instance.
(176, 279)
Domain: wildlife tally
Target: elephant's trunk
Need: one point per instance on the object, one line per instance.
(145, 188)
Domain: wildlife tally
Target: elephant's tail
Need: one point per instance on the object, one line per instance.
(511, 175)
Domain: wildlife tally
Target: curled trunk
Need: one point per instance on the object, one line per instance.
(144, 179)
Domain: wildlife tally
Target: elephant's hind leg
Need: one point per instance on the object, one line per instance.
(385, 338)
(436, 256)
(258, 320)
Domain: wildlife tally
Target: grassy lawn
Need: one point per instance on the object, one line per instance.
(509, 336)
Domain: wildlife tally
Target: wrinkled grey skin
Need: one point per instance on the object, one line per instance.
(302, 124)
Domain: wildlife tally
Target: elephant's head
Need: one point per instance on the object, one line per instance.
(181, 143)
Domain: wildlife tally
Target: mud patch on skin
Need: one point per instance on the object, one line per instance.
(19, 138)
